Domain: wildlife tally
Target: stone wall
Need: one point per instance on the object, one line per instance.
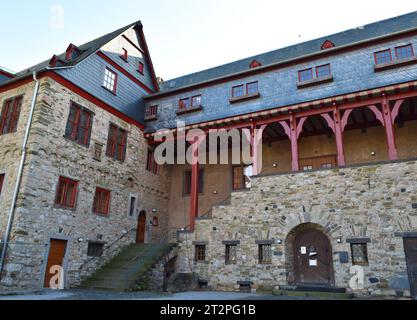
(50, 155)
(372, 201)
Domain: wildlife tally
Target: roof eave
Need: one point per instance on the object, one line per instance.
(276, 65)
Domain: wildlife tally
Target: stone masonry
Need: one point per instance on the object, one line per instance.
(50, 155)
(372, 201)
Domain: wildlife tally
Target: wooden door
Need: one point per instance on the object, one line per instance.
(56, 257)
(313, 263)
(140, 233)
(410, 248)
(324, 162)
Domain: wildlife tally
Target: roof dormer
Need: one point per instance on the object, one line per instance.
(327, 45)
(55, 61)
(255, 64)
(71, 52)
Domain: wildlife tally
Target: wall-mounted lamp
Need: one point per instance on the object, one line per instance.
(339, 240)
(154, 210)
(80, 239)
(275, 165)
(279, 241)
(373, 153)
(215, 192)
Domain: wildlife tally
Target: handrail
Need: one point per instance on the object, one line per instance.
(106, 248)
(219, 204)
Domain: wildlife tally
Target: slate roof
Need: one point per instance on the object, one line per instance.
(85, 50)
(373, 30)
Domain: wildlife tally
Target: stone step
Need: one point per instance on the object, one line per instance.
(313, 288)
(313, 294)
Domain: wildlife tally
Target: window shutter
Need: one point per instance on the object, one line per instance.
(110, 142)
(15, 114)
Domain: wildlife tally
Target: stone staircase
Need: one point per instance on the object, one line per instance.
(121, 272)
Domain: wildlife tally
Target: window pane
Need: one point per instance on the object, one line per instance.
(404, 52)
(231, 254)
(196, 101)
(252, 88)
(109, 80)
(184, 103)
(305, 75)
(238, 91)
(323, 71)
(383, 57)
(359, 253)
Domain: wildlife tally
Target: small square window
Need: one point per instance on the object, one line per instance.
(101, 201)
(196, 101)
(326, 166)
(151, 111)
(323, 71)
(238, 91)
(124, 55)
(98, 150)
(132, 206)
(307, 168)
(95, 249)
(110, 80)
(1, 181)
(359, 253)
(404, 52)
(383, 56)
(252, 88)
(141, 68)
(200, 253)
(184, 103)
(265, 254)
(66, 192)
(231, 254)
(305, 75)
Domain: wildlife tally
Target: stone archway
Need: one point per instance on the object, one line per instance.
(309, 256)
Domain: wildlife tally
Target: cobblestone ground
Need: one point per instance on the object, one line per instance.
(102, 295)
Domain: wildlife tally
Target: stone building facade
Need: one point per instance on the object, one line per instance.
(332, 201)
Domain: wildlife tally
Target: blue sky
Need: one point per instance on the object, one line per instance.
(184, 36)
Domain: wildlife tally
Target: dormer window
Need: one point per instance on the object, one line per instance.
(382, 57)
(71, 52)
(322, 74)
(255, 64)
(125, 54)
(190, 104)
(141, 68)
(110, 80)
(404, 52)
(246, 91)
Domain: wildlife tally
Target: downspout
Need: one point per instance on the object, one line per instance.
(19, 175)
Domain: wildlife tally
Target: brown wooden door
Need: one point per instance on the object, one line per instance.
(325, 162)
(56, 256)
(140, 233)
(313, 263)
(410, 248)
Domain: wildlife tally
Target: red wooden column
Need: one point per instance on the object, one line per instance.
(389, 128)
(195, 168)
(336, 125)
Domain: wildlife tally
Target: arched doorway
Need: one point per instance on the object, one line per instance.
(310, 256)
(140, 232)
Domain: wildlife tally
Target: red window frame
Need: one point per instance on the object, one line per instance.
(151, 111)
(187, 182)
(1, 181)
(327, 65)
(184, 105)
(75, 127)
(405, 46)
(116, 78)
(304, 70)
(151, 164)
(125, 54)
(101, 204)
(141, 68)
(193, 101)
(116, 143)
(62, 190)
(378, 52)
(10, 115)
(238, 86)
(251, 83)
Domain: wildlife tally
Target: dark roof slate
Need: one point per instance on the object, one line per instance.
(373, 30)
